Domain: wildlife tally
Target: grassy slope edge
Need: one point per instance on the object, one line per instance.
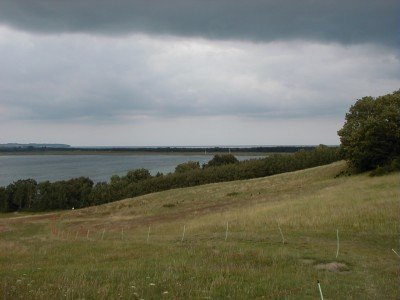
(108, 252)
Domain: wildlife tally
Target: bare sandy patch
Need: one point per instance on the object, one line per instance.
(333, 267)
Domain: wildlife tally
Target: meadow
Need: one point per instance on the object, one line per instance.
(265, 238)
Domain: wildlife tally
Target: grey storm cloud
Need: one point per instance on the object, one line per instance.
(346, 22)
(191, 72)
(80, 77)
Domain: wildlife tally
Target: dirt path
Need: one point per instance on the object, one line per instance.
(31, 217)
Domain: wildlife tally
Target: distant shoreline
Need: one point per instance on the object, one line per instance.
(68, 152)
(250, 151)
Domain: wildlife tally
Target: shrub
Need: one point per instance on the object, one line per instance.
(187, 166)
(386, 169)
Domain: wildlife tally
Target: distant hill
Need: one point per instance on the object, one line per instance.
(33, 145)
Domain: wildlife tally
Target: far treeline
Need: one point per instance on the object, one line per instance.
(10, 149)
(81, 192)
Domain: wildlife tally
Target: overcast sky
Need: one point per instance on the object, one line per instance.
(191, 72)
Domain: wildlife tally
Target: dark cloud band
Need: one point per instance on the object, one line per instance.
(346, 22)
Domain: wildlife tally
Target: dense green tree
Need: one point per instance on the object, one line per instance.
(117, 186)
(370, 136)
(115, 179)
(101, 193)
(187, 166)
(46, 197)
(22, 193)
(137, 175)
(78, 191)
(222, 159)
(5, 201)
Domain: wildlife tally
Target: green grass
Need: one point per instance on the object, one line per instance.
(52, 256)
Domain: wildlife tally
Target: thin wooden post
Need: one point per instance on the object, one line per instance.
(280, 230)
(183, 233)
(148, 235)
(337, 247)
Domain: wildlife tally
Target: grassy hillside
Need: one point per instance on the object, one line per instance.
(269, 238)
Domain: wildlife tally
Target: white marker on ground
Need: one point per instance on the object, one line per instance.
(395, 252)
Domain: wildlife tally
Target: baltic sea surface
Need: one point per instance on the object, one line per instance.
(96, 167)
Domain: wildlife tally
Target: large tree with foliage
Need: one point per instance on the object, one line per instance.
(370, 136)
